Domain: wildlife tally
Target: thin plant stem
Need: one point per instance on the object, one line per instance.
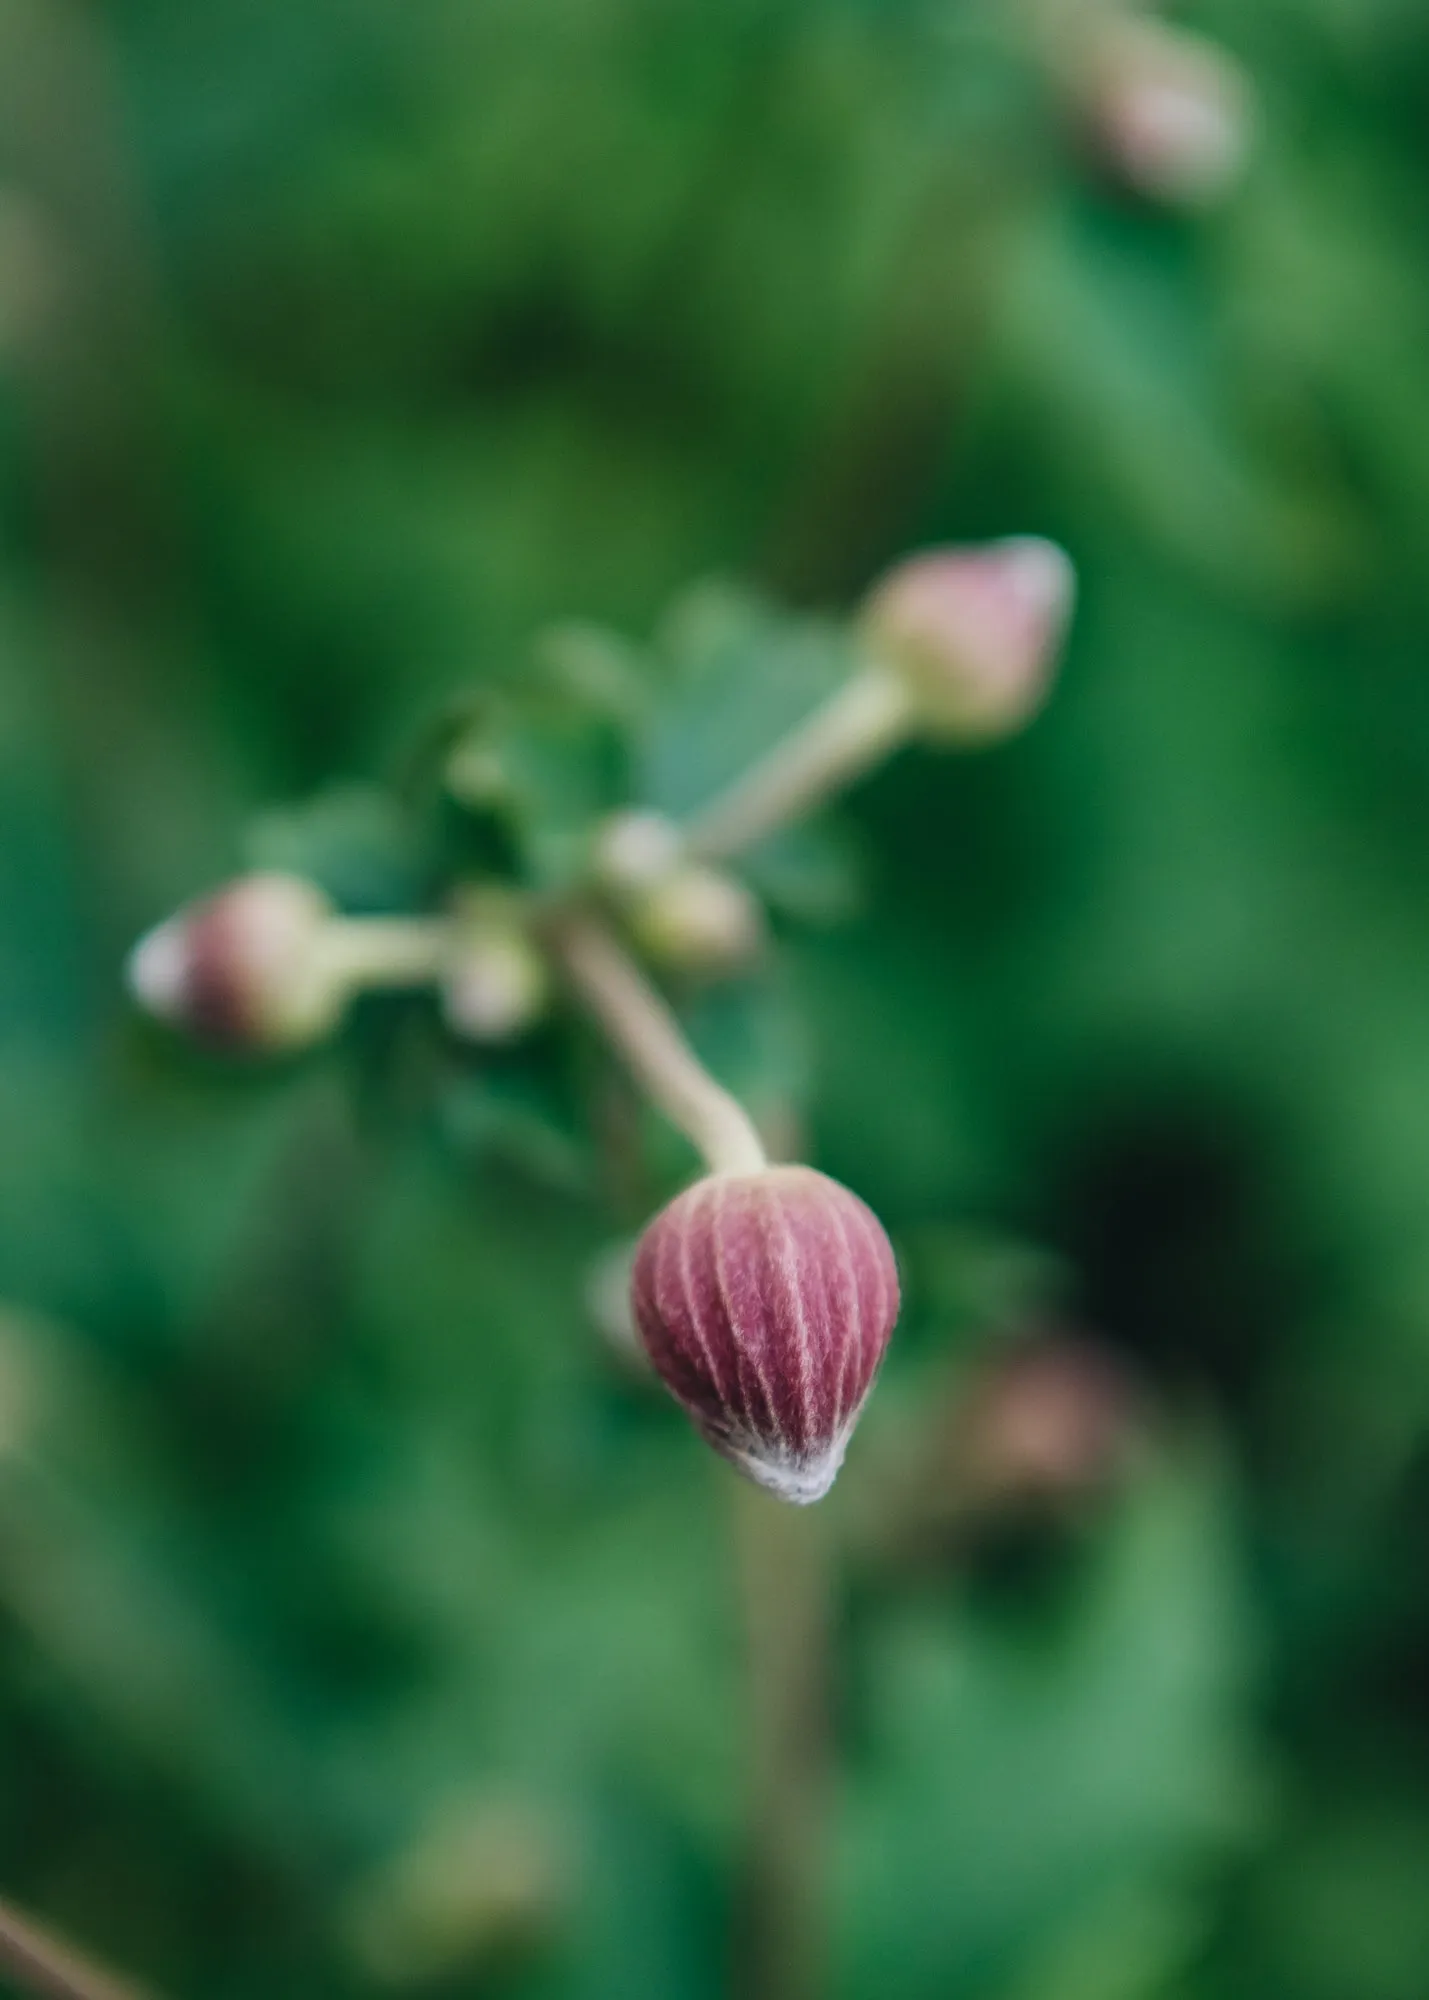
(646, 1034)
(783, 1559)
(869, 715)
(387, 951)
(41, 1965)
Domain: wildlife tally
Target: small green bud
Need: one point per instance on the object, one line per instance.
(634, 850)
(700, 921)
(496, 984)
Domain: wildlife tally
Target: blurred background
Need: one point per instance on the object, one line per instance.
(368, 1624)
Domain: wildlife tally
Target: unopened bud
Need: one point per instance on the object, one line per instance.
(1172, 113)
(1047, 1422)
(765, 1301)
(634, 850)
(497, 984)
(973, 633)
(698, 920)
(245, 968)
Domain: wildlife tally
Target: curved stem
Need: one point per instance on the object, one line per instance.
(868, 716)
(41, 1965)
(644, 1031)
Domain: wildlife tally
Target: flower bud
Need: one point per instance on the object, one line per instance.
(973, 633)
(497, 985)
(698, 920)
(1047, 1422)
(634, 850)
(1171, 112)
(765, 1302)
(244, 968)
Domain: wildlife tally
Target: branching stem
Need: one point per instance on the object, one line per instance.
(388, 951)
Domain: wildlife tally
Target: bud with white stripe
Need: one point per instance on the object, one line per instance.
(765, 1301)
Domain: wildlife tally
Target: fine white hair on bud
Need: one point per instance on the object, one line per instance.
(698, 920)
(244, 968)
(765, 1301)
(1171, 112)
(973, 633)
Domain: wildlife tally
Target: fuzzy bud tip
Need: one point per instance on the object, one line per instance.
(765, 1302)
(974, 633)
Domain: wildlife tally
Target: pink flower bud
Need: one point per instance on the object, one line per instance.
(1171, 112)
(974, 633)
(765, 1301)
(244, 968)
(1047, 1422)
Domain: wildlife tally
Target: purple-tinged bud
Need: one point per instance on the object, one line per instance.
(244, 968)
(973, 634)
(1047, 1422)
(1172, 113)
(765, 1301)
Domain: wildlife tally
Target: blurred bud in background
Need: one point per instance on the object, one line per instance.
(1035, 1430)
(634, 850)
(1046, 1423)
(1170, 113)
(244, 968)
(484, 1880)
(974, 634)
(497, 985)
(698, 921)
(686, 917)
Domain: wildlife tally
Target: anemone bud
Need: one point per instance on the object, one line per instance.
(1173, 113)
(698, 920)
(496, 986)
(765, 1301)
(1048, 1422)
(973, 633)
(243, 968)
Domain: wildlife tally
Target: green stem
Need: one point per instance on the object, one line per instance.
(870, 715)
(644, 1031)
(783, 1559)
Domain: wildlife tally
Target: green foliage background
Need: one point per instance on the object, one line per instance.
(345, 348)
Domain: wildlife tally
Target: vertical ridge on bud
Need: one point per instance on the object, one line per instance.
(765, 1301)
